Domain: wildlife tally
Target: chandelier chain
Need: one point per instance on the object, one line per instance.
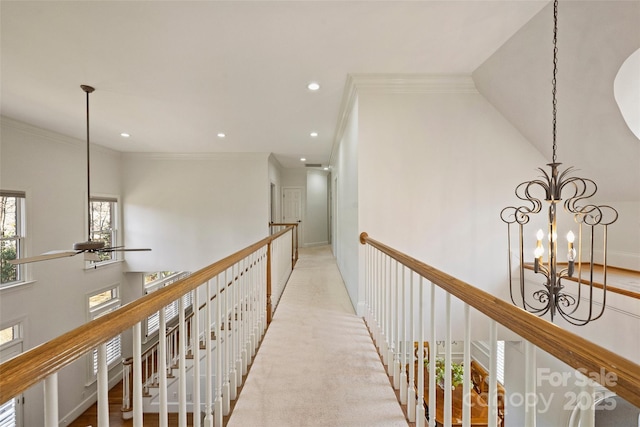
(555, 72)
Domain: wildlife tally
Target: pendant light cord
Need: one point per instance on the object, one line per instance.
(555, 72)
(88, 90)
(88, 176)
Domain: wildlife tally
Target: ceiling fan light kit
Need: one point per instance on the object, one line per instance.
(90, 248)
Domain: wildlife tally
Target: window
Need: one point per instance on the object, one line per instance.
(153, 282)
(101, 303)
(104, 225)
(11, 334)
(8, 416)
(10, 346)
(12, 235)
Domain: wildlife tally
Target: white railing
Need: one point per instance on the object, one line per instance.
(404, 299)
(232, 297)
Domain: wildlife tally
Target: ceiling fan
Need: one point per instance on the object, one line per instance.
(91, 248)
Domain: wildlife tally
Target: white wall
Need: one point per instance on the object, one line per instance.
(317, 230)
(275, 179)
(192, 210)
(624, 236)
(51, 169)
(345, 169)
(435, 169)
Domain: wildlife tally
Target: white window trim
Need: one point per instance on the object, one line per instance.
(94, 313)
(23, 270)
(116, 256)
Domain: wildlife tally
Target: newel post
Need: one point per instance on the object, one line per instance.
(268, 283)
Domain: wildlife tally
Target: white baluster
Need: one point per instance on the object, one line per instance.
(103, 387)
(233, 374)
(208, 356)
(162, 369)
(394, 315)
(137, 375)
(447, 362)
(237, 335)
(384, 314)
(466, 363)
(403, 342)
(432, 358)
(244, 336)
(530, 384)
(218, 408)
(182, 368)
(50, 386)
(195, 348)
(369, 286)
(420, 415)
(228, 392)
(126, 391)
(253, 298)
(493, 374)
(378, 323)
(411, 400)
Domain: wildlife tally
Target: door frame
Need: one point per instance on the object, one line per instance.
(303, 204)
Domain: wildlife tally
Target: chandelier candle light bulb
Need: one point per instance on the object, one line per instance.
(571, 253)
(538, 252)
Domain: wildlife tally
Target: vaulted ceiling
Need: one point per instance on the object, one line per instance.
(595, 38)
(174, 74)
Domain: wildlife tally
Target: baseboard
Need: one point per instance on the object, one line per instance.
(310, 245)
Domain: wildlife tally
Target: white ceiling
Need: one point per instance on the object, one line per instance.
(595, 38)
(175, 73)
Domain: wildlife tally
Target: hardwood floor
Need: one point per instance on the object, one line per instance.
(90, 416)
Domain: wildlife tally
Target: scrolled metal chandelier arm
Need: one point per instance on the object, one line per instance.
(559, 294)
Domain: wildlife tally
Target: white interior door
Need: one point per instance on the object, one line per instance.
(292, 208)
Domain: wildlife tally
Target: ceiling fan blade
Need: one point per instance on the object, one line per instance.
(122, 249)
(44, 257)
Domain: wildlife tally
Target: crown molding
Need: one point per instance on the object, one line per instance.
(414, 83)
(395, 83)
(41, 133)
(32, 130)
(195, 156)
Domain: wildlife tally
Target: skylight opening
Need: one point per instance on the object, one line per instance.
(626, 91)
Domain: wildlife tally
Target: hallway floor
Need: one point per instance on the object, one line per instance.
(317, 365)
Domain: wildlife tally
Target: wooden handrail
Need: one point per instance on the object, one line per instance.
(294, 246)
(611, 272)
(570, 348)
(31, 367)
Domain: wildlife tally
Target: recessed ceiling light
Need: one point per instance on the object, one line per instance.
(125, 135)
(326, 168)
(313, 86)
(302, 159)
(314, 134)
(221, 135)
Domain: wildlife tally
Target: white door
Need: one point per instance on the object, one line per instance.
(11, 411)
(292, 209)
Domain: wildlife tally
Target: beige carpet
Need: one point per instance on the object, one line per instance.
(317, 365)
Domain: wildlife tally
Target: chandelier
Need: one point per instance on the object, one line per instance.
(564, 291)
